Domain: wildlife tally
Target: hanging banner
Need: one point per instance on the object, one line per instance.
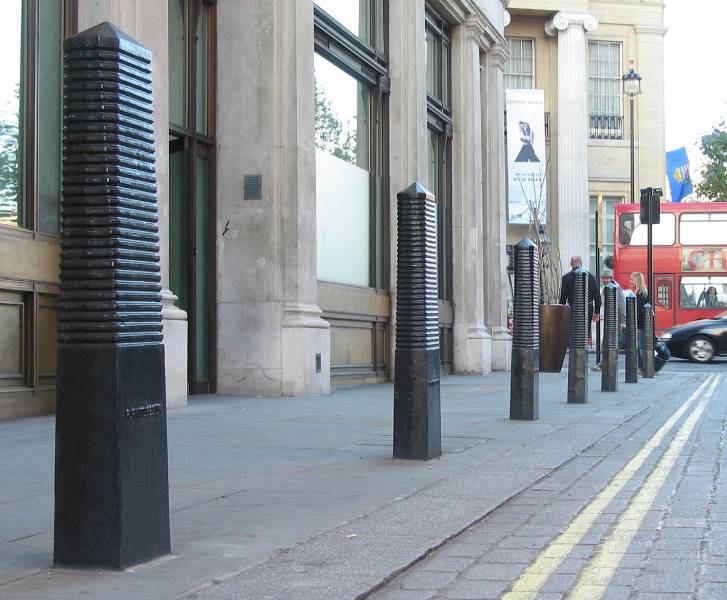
(525, 155)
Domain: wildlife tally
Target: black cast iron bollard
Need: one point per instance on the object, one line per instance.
(632, 357)
(524, 402)
(648, 342)
(580, 319)
(417, 418)
(609, 358)
(111, 486)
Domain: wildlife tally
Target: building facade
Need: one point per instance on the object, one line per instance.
(577, 51)
(285, 129)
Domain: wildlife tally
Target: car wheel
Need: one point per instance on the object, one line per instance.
(700, 349)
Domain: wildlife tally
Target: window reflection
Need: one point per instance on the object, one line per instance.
(699, 229)
(703, 292)
(354, 15)
(631, 232)
(342, 123)
(11, 94)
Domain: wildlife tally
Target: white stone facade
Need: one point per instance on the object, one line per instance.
(273, 318)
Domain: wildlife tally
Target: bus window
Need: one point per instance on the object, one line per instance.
(700, 229)
(631, 232)
(703, 292)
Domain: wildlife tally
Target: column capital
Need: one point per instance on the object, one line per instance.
(497, 55)
(563, 20)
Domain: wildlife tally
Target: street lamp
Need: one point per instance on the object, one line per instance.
(632, 88)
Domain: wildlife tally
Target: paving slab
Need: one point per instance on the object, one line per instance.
(299, 497)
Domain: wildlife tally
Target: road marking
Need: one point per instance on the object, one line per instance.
(532, 579)
(594, 578)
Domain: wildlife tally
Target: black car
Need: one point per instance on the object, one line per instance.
(699, 341)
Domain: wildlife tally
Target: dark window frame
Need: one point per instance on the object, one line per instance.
(362, 61)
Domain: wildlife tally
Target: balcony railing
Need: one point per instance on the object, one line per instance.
(606, 127)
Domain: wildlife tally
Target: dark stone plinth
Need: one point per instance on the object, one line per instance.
(578, 376)
(609, 361)
(648, 342)
(417, 415)
(112, 492)
(524, 385)
(632, 358)
(609, 369)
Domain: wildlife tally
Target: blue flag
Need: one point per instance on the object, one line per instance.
(677, 172)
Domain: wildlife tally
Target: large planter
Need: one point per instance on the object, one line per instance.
(554, 333)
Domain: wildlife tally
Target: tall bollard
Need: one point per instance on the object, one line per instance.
(111, 486)
(648, 342)
(632, 357)
(524, 403)
(609, 358)
(580, 319)
(417, 418)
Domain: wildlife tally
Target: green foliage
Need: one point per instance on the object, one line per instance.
(714, 173)
(331, 136)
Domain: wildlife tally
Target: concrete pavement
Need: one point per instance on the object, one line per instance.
(299, 497)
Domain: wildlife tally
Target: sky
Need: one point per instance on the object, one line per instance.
(695, 75)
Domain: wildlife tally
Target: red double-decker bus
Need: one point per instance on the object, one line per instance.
(690, 259)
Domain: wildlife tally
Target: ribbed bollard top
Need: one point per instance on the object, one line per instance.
(631, 320)
(579, 316)
(417, 309)
(110, 275)
(527, 296)
(610, 294)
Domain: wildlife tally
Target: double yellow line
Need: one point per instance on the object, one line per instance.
(597, 573)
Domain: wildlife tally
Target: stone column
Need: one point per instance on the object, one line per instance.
(572, 133)
(147, 22)
(407, 120)
(495, 196)
(472, 342)
(271, 337)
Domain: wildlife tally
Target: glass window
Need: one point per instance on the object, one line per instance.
(519, 69)
(439, 116)
(357, 16)
(632, 232)
(700, 229)
(438, 62)
(12, 95)
(703, 292)
(178, 65)
(607, 230)
(201, 75)
(343, 195)
(604, 90)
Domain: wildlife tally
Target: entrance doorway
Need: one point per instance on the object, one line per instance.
(191, 256)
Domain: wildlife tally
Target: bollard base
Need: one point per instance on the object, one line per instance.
(632, 370)
(417, 416)
(524, 376)
(578, 376)
(609, 370)
(111, 486)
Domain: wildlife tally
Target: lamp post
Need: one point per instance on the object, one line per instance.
(632, 88)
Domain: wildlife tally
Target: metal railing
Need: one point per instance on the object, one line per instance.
(606, 127)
